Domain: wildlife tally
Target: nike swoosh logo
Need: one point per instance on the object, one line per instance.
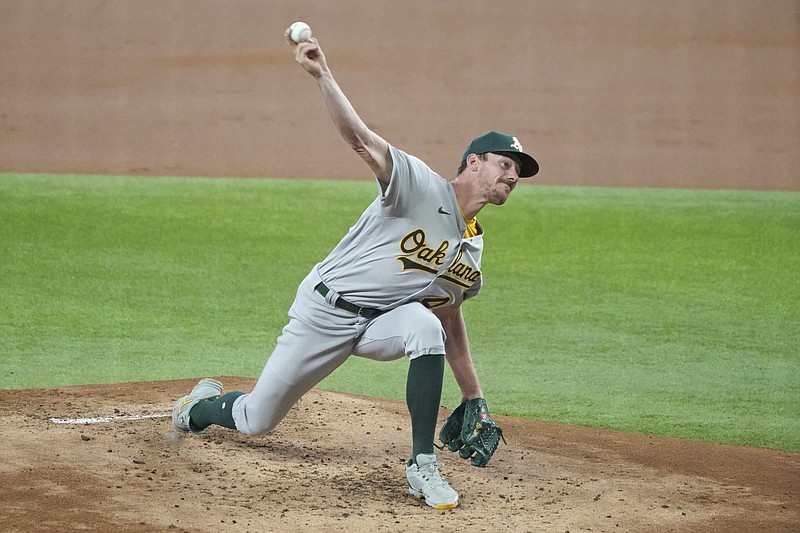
(442, 211)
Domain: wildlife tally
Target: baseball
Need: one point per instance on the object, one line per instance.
(299, 32)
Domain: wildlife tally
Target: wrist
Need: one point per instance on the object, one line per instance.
(324, 75)
(465, 397)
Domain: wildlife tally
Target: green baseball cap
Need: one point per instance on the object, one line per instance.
(498, 142)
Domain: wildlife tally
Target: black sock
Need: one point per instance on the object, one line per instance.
(423, 395)
(217, 410)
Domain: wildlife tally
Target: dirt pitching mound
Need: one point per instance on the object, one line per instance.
(105, 457)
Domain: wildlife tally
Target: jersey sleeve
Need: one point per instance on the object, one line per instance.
(411, 179)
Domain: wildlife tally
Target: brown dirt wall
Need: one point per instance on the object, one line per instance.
(687, 93)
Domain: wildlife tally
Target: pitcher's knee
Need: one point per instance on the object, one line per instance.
(424, 335)
(252, 421)
(255, 430)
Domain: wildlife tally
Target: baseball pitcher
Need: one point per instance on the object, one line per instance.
(392, 287)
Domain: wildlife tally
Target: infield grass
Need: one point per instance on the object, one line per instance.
(658, 311)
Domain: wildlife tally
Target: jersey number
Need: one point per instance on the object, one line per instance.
(435, 301)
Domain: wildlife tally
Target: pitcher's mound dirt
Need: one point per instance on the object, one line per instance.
(336, 463)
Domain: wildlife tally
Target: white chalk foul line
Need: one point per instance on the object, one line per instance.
(105, 419)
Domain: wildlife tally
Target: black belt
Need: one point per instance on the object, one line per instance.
(367, 312)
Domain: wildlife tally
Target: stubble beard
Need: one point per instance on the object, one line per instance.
(497, 197)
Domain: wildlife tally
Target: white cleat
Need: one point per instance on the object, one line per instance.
(425, 481)
(206, 388)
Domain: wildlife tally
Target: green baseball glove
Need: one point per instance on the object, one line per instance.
(450, 434)
(470, 430)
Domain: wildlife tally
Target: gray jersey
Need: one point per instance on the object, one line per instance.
(408, 245)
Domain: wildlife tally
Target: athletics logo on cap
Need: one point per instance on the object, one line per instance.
(498, 142)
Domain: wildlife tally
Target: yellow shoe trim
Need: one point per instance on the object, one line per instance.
(182, 405)
(443, 506)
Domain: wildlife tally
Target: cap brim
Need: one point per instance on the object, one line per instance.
(529, 165)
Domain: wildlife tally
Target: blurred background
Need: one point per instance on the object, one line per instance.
(686, 93)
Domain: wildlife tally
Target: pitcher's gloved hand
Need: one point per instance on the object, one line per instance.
(450, 434)
(471, 432)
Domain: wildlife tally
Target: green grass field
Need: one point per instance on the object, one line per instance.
(667, 312)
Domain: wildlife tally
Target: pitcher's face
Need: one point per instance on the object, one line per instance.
(499, 174)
